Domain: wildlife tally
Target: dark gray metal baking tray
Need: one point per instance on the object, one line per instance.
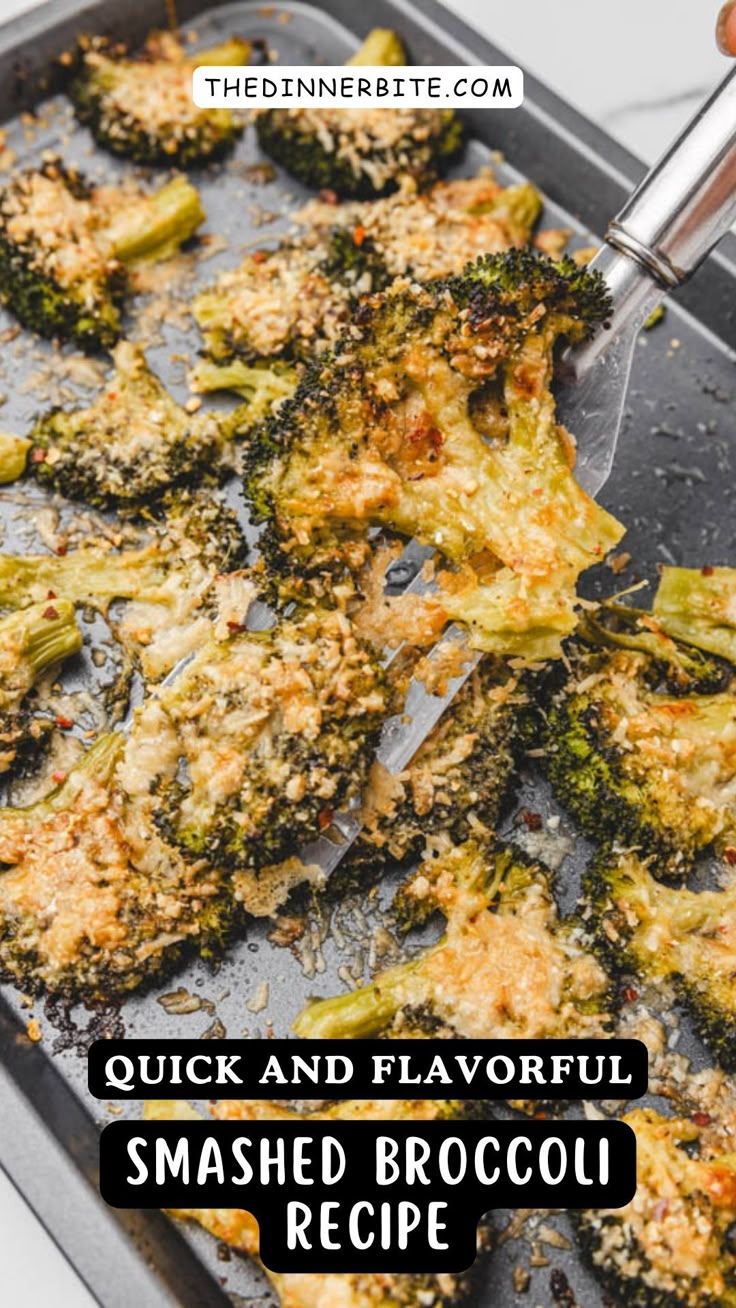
(670, 484)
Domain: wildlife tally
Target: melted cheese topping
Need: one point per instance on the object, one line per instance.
(272, 301)
(429, 234)
(505, 976)
(681, 750)
(154, 94)
(376, 142)
(41, 215)
(670, 1237)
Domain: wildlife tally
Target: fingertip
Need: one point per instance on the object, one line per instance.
(726, 29)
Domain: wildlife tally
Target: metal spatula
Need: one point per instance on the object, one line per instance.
(684, 206)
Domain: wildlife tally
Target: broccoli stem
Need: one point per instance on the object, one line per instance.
(84, 577)
(382, 48)
(518, 206)
(154, 227)
(637, 634)
(13, 454)
(698, 606)
(233, 53)
(97, 764)
(261, 387)
(41, 635)
(361, 1013)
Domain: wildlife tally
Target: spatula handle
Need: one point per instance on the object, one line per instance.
(688, 201)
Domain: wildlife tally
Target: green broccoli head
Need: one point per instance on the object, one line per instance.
(31, 641)
(637, 754)
(360, 154)
(92, 902)
(131, 445)
(141, 107)
(671, 933)
(672, 1246)
(269, 732)
(436, 418)
(456, 782)
(65, 248)
(502, 923)
(512, 293)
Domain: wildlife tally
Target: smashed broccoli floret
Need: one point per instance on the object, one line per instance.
(262, 735)
(142, 107)
(671, 933)
(173, 585)
(433, 233)
(286, 302)
(502, 925)
(131, 445)
(66, 248)
(239, 1230)
(31, 641)
(672, 1246)
(92, 902)
(458, 779)
(362, 153)
(198, 538)
(641, 742)
(436, 418)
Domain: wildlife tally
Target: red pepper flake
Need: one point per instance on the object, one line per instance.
(533, 821)
(630, 994)
(328, 197)
(50, 612)
(359, 235)
(235, 627)
(540, 1115)
(38, 456)
(112, 395)
(729, 854)
(64, 723)
(707, 571)
(61, 549)
(701, 1119)
(259, 256)
(325, 818)
(426, 435)
(50, 594)
(57, 777)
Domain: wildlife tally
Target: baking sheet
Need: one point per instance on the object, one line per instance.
(670, 485)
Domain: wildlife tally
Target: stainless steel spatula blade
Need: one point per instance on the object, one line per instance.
(594, 381)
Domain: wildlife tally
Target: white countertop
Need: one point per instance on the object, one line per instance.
(638, 68)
